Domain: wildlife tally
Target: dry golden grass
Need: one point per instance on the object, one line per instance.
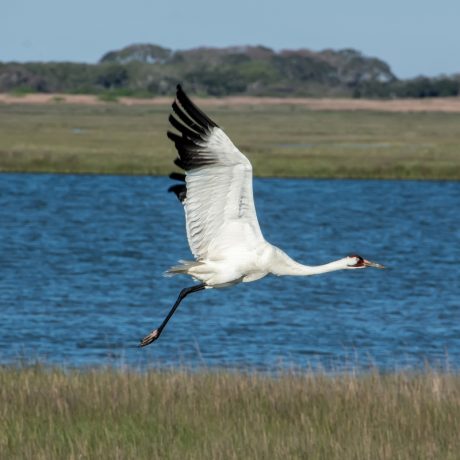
(106, 414)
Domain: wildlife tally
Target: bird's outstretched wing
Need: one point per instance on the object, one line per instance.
(217, 195)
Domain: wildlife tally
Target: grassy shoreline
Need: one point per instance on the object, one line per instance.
(281, 141)
(107, 414)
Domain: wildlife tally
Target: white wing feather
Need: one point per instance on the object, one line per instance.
(220, 211)
(217, 198)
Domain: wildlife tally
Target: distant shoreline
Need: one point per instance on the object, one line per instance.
(438, 104)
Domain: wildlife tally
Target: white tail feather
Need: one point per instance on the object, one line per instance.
(183, 268)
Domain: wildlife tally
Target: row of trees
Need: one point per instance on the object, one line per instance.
(148, 70)
(414, 88)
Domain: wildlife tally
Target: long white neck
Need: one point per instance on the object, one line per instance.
(282, 264)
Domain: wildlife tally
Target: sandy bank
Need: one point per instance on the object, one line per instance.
(451, 104)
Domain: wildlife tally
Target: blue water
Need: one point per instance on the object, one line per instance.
(82, 257)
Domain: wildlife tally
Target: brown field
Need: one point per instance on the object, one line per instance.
(447, 104)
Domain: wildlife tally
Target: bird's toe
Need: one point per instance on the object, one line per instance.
(148, 339)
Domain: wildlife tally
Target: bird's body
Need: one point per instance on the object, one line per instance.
(221, 222)
(250, 264)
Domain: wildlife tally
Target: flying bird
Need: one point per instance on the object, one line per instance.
(221, 222)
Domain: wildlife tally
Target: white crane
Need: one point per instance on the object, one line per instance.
(221, 222)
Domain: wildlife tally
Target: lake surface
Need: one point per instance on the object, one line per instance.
(82, 259)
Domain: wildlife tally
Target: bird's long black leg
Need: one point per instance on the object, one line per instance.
(148, 339)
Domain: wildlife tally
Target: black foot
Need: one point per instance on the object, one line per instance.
(148, 339)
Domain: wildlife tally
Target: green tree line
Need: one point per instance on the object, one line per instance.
(151, 70)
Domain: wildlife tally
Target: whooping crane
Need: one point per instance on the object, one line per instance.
(222, 228)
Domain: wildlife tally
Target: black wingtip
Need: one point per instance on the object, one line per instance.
(187, 120)
(180, 190)
(193, 111)
(177, 176)
(194, 128)
(179, 89)
(179, 163)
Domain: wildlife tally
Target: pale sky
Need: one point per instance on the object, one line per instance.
(414, 36)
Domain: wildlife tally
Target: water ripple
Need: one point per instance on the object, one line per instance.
(82, 259)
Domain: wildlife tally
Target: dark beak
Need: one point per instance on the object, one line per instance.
(367, 263)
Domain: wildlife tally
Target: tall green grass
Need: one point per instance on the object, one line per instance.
(107, 414)
(283, 141)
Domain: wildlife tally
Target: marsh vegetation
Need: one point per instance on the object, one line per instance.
(108, 414)
(281, 141)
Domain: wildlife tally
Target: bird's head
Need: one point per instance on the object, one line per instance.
(355, 261)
